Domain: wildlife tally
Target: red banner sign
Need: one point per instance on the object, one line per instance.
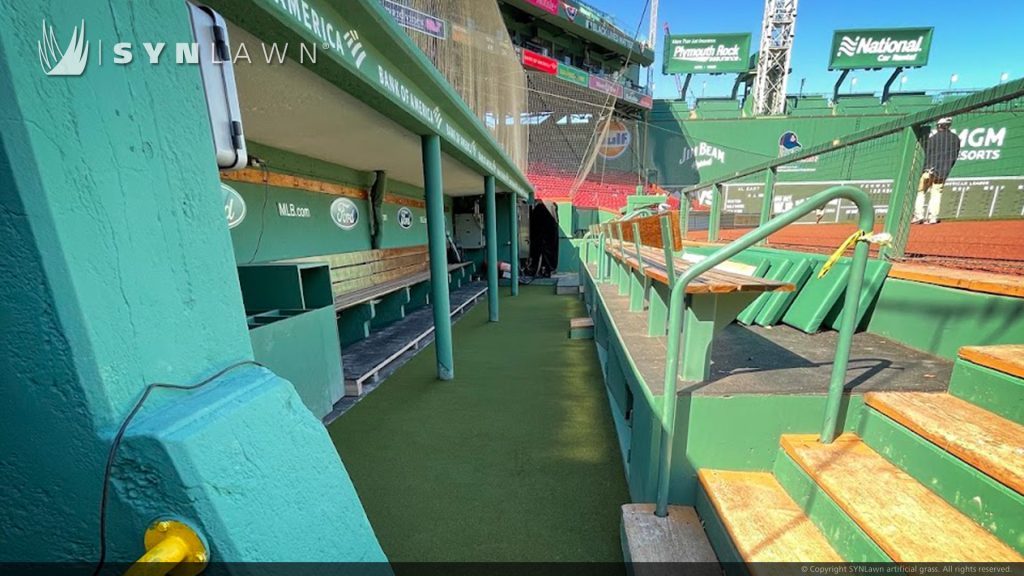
(540, 62)
(546, 5)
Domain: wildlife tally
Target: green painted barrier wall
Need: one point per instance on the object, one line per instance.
(265, 234)
(940, 320)
(305, 350)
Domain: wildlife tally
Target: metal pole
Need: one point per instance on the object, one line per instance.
(677, 311)
(667, 245)
(768, 200)
(715, 218)
(491, 208)
(438, 247)
(847, 326)
(513, 223)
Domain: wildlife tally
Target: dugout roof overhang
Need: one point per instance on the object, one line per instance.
(365, 102)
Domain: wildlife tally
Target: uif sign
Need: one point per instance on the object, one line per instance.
(880, 48)
(616, 141)
(706, 54)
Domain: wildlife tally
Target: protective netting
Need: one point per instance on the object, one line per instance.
(468, 43)
(980, 214)
(581, 147)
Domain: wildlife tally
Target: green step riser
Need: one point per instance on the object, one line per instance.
(990, 389)
(845, 536)
(721, 542)
(984, 500)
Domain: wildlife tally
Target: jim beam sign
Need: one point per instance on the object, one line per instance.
(707, 54)
(880, 48)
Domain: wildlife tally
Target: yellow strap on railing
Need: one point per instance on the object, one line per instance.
(855, 237)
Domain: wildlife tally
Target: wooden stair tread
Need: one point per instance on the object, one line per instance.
(984, 440)
(908, 521)
(584, 322)
(1007, 358)
(765, 524)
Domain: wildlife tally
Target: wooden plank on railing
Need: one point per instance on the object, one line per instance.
(650, 230)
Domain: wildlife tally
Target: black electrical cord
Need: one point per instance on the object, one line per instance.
(263, 210)
(104, 495)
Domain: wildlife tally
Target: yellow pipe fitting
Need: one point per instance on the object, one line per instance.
(172, 548)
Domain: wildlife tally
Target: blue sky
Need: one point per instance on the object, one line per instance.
(976, 39)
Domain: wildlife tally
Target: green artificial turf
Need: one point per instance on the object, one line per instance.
(515, 460)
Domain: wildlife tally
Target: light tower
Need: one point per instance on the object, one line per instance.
(777, 33)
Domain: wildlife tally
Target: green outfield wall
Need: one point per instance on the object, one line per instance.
(987, 181)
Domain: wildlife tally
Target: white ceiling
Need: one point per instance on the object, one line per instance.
(287, 106)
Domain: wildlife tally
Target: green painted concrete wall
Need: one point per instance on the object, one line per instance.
(117, 271)
(306, 351)
(265, 235)
(940, 320)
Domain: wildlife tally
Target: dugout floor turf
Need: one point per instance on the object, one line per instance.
(514, 460)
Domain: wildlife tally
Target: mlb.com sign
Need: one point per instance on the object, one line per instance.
(880, 48)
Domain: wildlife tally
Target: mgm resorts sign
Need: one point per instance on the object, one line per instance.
(880, 48)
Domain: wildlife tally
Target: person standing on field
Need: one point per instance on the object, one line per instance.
(940, 155)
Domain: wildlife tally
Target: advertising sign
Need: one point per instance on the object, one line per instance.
(880, 48)
(415, 20)
(540, 62)
(550, 6)
(617, 140)
(574, 75)
(638, 98)
(605, 85)
(707, 53)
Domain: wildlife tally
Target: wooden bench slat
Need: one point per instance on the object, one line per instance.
(712, 281)
(375, 268)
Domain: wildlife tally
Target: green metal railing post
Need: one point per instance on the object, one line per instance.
(637, 245)
(911, 150)
(684, 215)
(677, 311)
(513, 224)
(715, 217)
(491, 208)
(666, 243)
(438, 249)
(769, 198)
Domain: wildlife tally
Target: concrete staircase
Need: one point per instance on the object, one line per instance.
(925, 477)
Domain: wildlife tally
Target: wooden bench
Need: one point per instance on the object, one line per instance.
(636, 263)
(373, 288)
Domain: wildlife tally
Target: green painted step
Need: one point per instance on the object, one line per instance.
(990, 389)
(842, 533)
(987, 502)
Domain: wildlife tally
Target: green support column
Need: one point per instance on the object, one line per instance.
(715, 218)
(513, 224)
(434, 190)
(902, 192)
(768, 199)
(684, 215)
(491, 209)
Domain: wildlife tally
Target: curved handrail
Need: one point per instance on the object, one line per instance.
(677, 310)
